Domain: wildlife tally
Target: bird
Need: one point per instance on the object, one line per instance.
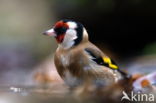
(77, 60)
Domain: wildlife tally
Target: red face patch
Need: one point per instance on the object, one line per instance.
(60, 38)
(61, 24)
(60, 28)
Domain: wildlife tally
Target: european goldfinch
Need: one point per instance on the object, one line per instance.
(78, 60)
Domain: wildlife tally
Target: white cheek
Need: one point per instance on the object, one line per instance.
(72, 25)
(69, 38)
(71, 34)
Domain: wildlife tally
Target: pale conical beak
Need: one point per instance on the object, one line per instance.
(50, 32)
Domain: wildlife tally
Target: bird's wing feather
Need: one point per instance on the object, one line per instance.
(101, 59)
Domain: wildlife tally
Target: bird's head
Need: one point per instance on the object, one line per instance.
(68, 33)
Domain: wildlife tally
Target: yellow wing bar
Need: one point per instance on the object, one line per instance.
(109, 62)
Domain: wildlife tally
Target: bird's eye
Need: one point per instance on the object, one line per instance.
(60, 30)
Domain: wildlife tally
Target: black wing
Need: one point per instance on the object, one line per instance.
(105, 61)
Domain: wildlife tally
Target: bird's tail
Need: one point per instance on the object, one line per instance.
(125, 74)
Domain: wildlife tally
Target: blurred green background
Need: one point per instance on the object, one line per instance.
(124, 28)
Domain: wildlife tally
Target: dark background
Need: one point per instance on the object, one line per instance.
(124, 29)
(125, 26)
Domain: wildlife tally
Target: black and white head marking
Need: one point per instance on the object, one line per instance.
(79, 30)
(68, 33)
(74, 34)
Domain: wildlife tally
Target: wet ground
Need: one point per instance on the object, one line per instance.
(36, 94)
(32, 92)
